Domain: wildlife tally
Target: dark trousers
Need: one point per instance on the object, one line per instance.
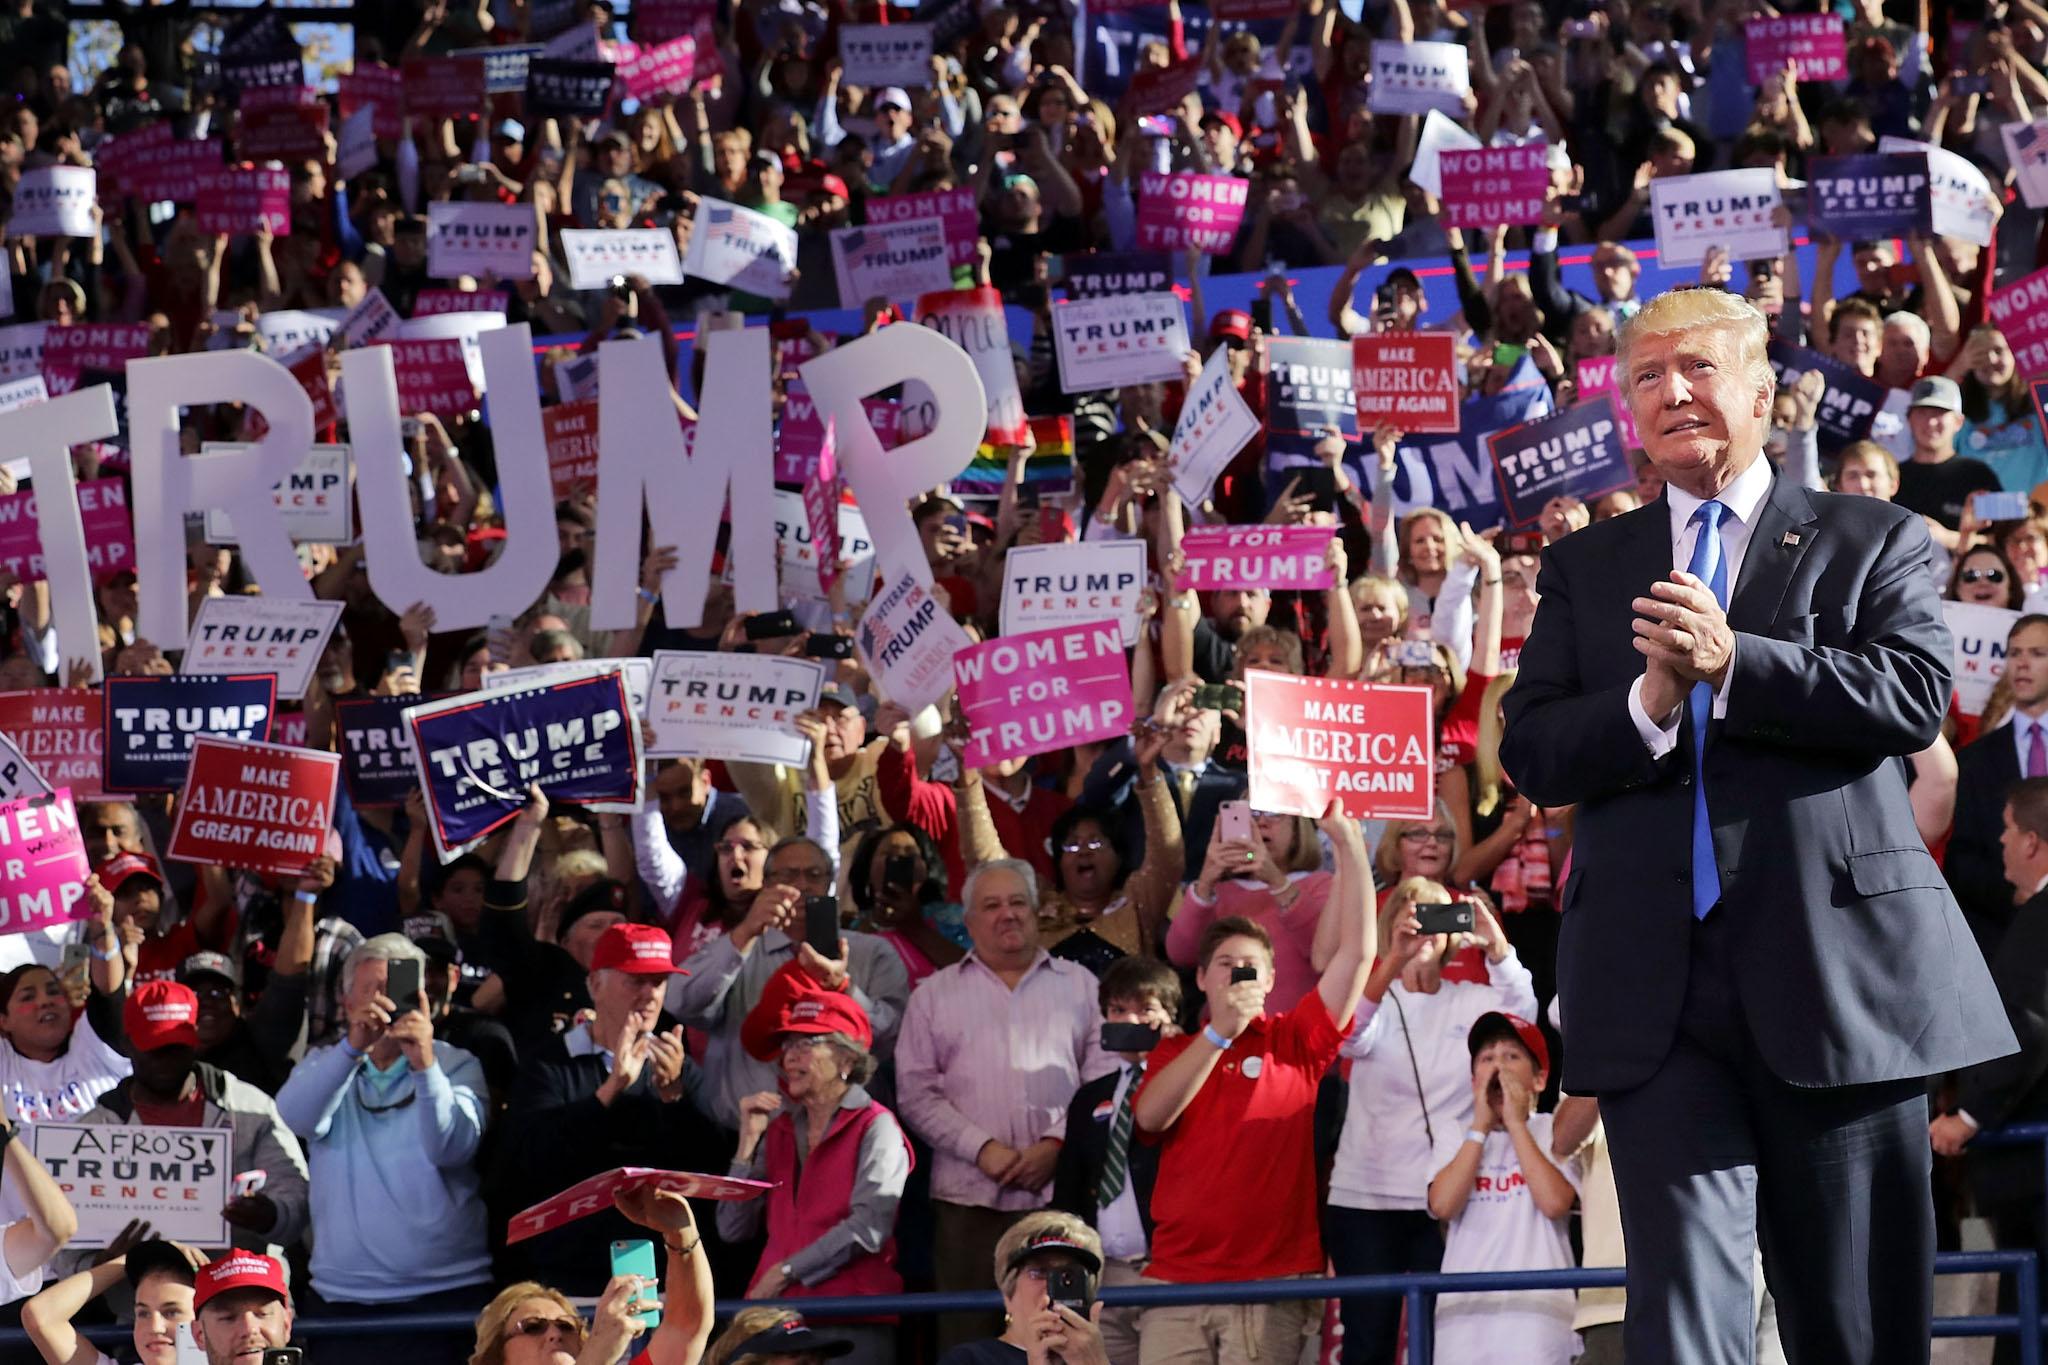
(964, 1243)
(1714, 1155)
(1378, 1242)
(400, 1348)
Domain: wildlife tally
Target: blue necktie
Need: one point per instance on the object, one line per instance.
(1710, 566)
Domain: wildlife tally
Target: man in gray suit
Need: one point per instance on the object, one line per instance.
(1759, 960)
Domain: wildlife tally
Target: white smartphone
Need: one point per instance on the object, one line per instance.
(188, 1349)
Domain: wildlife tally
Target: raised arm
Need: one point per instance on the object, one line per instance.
(1352, 910)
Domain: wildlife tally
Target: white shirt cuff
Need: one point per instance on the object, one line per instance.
(1658, 739)
(1964, 1115)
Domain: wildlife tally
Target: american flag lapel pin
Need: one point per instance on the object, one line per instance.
(1791, 538)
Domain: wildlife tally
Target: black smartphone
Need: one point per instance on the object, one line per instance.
(821, 926)
(1129, 1037)
(1067, 1286)
(1238, 974)
(1262, 315)
(900, 870)
(402, 984)
(1317, 483)
(397, 659)
(1220, 697)
(1444, 917)
(1383, 301)
(774, 625)
(829, 647)
(284, 1355)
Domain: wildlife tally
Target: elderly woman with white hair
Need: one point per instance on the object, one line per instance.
(391, 1119)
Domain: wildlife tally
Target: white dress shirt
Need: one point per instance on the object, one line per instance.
(1118, 1222)
(1743, 498)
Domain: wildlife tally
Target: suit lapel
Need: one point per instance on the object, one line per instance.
(1780, 539)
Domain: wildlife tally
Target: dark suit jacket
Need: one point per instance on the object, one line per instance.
(1078, 1175)
(1852, 961)
(2014, 1088)
(1110, 783)
(1987, 768)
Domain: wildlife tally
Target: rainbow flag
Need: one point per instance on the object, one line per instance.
(1049, 471)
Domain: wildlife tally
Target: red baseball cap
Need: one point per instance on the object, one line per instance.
(239, 1270)
(1498, 1023)
(161, 1014)
(1232, 322)
(637, 949)
(794, 1002)
(124, 867)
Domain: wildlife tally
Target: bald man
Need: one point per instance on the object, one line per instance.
(1760, 963)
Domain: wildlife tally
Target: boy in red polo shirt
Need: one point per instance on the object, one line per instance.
(1232, 1109)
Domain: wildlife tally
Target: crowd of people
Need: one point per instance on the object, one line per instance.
(1089, 1021)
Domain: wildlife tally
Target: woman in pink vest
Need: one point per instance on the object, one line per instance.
(837, 1158)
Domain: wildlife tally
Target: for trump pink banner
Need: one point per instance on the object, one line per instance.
(666, 69)
(1176, 212)
(102, 510)
(1218, 557)
(432, 376)
(2021, 311)
(1050, 689)
(94, 345)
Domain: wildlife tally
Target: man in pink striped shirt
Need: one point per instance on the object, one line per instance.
(992, 1049)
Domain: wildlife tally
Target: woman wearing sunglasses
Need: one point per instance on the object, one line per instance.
(531, 1324)
(1985, 577)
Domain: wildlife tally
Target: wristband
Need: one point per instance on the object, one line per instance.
(7, 1133)
(1216, 1040)
(1474, 1135)
(305, 897)
(648, 597)
(99, 956)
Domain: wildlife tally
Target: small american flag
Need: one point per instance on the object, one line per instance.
(720, 216)
(854, 239)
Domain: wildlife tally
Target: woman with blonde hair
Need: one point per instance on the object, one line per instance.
(773, 1336)
(1034, 1327)
(1382, 605)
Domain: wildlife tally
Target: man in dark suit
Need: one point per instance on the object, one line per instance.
(1759, 961)
(1104, 1176)
(1986, 770)
(2014, 1088)
(1197, 784)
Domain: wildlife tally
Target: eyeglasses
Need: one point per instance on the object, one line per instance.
(1428, 836)
(740, 848)
(1982, 575)
(540, 1327)
(1085, 846)
(811, 876)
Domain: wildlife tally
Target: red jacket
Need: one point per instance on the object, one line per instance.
(808, 1201)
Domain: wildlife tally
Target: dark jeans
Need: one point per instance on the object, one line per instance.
(1378, 1242)
(399, 1348)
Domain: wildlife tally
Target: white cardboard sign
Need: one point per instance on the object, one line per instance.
(1730, 209)
(1121, 339)
(472, 237)
(1074, 583)
(736, 246)
(738, 707)
(1215, 423)
(313, 499)
(232, 635)
(595, 255)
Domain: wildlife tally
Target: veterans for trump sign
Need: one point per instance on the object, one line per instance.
(892, 261)
(1050, 689)
(909, 642)
(1575, 453)
(265, 808)
(233, 635)
(739, 707)
(954, 208)
(736, 246)
(114, 1173)
(43, 866)
(1405, 379)
(1366, 746)
(1126, 339)
(1731, 209)
(1284, 557)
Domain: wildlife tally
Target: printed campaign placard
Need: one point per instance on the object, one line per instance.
(1215, 423)
(1074, 583)
(875, 55)
(736, 246)
(893, 261)
(54, 201)
(291, 128)
(1050, 689)
(1126, 339)
(664, 69)
(909, 641)
(372, 320)
(571, 433)
(824, 495)
(43, 866)
(1414, 78)
(241, 199)
(178, 1179)
(504, 67)
(468, 237)
(797, 551)
(594, 256)
(380, 89)
(1815, 41)
(1162, 89)
(2020, 310)
(376, 748)
(2026, 151)
(1368, 746)
(151, 721)
(800, 435)
(263, 808)
(637, 670)
(1980, 633)
(1730, 209)
(1494, 185)
(1574, 453)
(1849, 404)
(556, 85)
(465, 328)
(18, 776)
(954, 208)
(286, 331)
(238, 635)
(738, 707)
(597, 1194)
(441, 302)
(1405, 379)
(973, 320)
(1308, 389)
(1283, 557)
(1869, 196)
(313, 500)
(476, 754)
(1177, 212)
(1596, 375)
(59, 730)
(94, 346)
(1098, 274)
(433, 376)
(1965, 204)
(103, 510)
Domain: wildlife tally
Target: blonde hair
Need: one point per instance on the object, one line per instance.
(1392, 591)
(497, 1316)
(744, 1325)
(1453, 542)
(1032, 1225)
(1386, 859)
(1486, 763)
(1684, 310)
(1404, 895)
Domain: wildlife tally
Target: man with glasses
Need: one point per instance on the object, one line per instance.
(723, 980)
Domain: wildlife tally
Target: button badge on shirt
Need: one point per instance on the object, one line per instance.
(1252, 1067)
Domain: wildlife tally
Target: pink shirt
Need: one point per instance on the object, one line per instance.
(1292, 929)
